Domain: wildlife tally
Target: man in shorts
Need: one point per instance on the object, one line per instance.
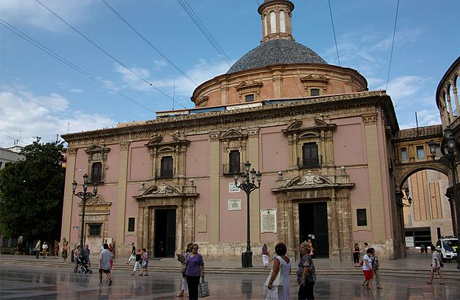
(104, 264)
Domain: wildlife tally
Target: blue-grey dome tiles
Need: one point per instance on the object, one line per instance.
(275, 52)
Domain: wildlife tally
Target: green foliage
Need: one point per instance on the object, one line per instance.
(31, 193)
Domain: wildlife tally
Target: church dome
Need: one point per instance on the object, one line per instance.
(276, 52)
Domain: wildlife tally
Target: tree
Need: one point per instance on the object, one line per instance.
(31, 193)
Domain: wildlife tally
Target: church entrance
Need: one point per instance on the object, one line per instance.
(313, 225)
(165, 232)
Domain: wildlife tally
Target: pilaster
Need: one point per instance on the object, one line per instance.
(253, 157)
(68, 195)
(375, 177)
(121, 199)
(214, 195)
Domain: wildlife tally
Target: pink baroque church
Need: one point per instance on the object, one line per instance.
(319, 137)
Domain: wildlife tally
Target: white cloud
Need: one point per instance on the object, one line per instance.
(32, 13)
(25, 116)
(75, 91)
(200, 72)
(367, 50)
(404, 89)
(425, 118)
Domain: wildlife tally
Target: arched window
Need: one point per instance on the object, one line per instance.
(272, 22)
(265, 25)
(282, 22)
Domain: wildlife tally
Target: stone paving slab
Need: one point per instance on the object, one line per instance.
(41, 282)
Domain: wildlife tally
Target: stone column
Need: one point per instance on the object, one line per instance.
(121, 198)
(334, 229)
(375, 178)
(253, 157)
(68, 195)
(214, 195)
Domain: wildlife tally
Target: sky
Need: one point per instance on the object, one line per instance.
(116, 75)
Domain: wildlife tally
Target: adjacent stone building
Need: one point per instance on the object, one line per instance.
(321, 140)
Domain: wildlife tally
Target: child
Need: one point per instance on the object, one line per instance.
(145, 262)
(375, 268)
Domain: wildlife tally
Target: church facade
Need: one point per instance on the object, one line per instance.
(319, 137)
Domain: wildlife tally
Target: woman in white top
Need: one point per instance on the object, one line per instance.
(367, 269)
(282, 264)
(435, 266)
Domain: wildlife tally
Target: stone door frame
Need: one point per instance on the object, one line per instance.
(185, 219)
(337, 197)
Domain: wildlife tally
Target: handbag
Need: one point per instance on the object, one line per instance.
(278, 279)
(441, 264)
(203, 288)
(272, 294)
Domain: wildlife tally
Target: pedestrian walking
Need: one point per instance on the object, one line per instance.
(56, 249)
(85, 255)
(37, 249)
(436, 265)
(65, 249)
(132, 257)
(306, 274)
(45, 249)
(137, 263)
(112, 258)
(367, 269)
(265, 256)
(375, 268)
(182, 259)
(310, 246)
(145, 262)
(282, 265)
(194, 265)
(104, 264)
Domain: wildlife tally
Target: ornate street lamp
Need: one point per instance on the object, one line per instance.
(450, 160)
(84, 196)
(248, 185)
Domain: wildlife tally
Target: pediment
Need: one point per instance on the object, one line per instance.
(95, 148)
(161, 189)
(315, 77)
(155, 140)
(233, 134)
(98, 200)
(249, 84)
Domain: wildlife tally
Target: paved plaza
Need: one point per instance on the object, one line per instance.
(50, 279)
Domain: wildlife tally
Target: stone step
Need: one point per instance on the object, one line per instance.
(448, 274)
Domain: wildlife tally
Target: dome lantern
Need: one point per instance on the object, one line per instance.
(276, 20)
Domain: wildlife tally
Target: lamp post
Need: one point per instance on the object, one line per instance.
(449, 159)
(248, 184)
(84, 196)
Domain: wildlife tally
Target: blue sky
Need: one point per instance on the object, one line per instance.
(40, 96)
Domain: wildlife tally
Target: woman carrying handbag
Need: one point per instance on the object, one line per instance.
(194, 268)
(278, 280)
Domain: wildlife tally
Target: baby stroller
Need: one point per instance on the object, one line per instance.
(82, 266)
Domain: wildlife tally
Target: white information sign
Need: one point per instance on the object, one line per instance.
(232, 188)
(268, 220)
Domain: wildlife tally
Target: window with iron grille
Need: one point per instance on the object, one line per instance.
(234, 161)
(249, 98)
(95, 229)
(96, 172)
(361, 217)
(166, 167)
(131, 223)
(314, 92)
(310, 155)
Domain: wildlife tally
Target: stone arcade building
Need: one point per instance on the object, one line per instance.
(322, 141)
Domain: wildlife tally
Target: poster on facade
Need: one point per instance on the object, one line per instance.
(232, 188)
(268, 220)
(234, 204)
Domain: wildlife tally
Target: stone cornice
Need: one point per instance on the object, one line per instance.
(280, 108)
